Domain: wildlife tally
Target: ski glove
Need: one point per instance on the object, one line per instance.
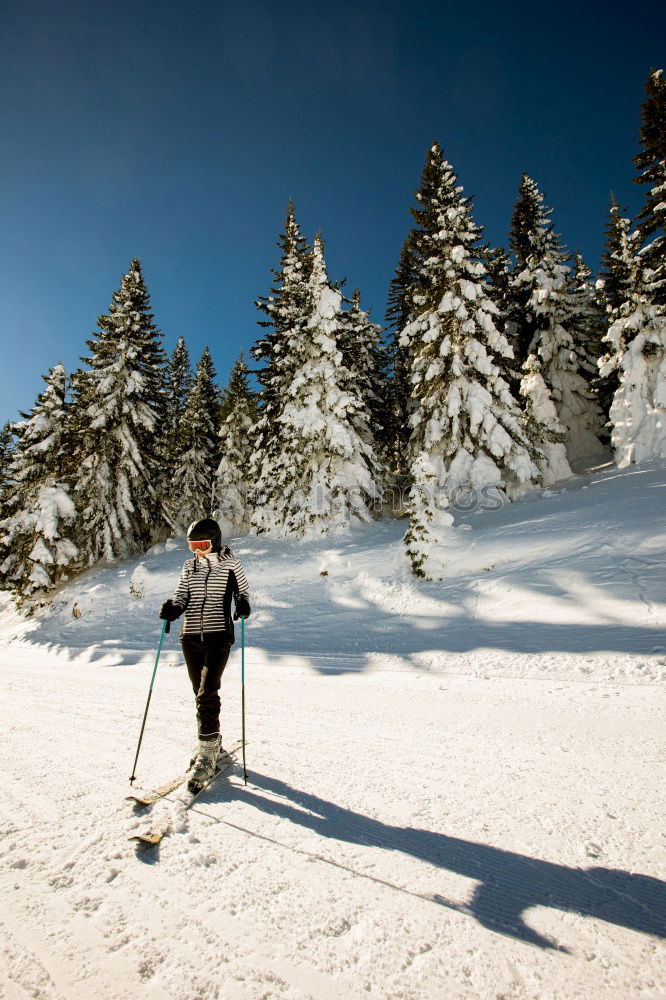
(170, 611)
(242, 607)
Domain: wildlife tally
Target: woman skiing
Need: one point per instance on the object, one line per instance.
(207, 584)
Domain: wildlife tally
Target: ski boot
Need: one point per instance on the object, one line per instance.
(197, 747)
(203, 766)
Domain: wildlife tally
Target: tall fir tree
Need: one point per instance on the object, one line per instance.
(233, 483)
(616, 265)
(497, 263)
(612, 291)
(542, 284)
(365, 357)
(326, 474)
(543, 423)
(531, 238)
(586, 313)
(286, 311)
(467, 428)
(636, 351)
(398, 389)
(191, 494)
(651, 164)
(7, 448)
(179, 381)
(578, 406)
(119, 405)
(36, 535)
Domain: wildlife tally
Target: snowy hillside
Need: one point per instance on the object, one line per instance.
(453, 788)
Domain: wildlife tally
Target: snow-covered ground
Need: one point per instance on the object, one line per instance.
(454, 789)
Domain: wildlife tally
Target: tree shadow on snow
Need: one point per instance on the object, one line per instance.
(508, 883)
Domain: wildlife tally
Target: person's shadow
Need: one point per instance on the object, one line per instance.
(509, 883)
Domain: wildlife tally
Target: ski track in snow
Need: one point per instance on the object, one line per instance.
(455, 790)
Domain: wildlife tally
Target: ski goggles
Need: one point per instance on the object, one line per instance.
(202, 546)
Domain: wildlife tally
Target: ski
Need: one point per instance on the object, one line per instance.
(147, 798)
(152, 837)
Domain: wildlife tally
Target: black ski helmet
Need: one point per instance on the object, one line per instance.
(206, 528)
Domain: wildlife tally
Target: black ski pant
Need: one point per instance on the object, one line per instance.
(206, 659)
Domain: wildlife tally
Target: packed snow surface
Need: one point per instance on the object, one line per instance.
(454, 789)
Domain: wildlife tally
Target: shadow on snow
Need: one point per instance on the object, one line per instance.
(508, 883)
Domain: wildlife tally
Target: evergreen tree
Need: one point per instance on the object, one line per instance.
(286, 309)
(364, 355)
(325, 474)
(238, 390)
(578, 405)
(651, 163)
(178, 385)
(116, 428)
(531, 238)
(399, 313)
(178, 381)
(35, 536)
(233, 483)
(636, 353)
(7, 448)
(467, 428)
(543, 423)
(612, 291)
(586, 315)
(192, 487)
(497, 262)
(616, 265)
(542, 283)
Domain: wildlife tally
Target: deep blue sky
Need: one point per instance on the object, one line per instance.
(177, 132)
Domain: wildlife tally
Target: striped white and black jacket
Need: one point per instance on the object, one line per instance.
(205, 591)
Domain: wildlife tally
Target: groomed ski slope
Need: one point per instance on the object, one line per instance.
(455, 789)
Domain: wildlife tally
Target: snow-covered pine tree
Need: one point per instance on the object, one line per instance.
(118, 417)
(576, 400)
(616, 262)
(36, 535)
(541, 282)
(192, 486)
(612, 289)
(364, 355)
(636, 354)
(467, 429)
(497, 262)
(399, 313)
(7, 448)
(530, 236)
(651, 164)
(179, 381)
(326, 473)
(232, 480)
(588, 318)
(543, 423)
(286, 309)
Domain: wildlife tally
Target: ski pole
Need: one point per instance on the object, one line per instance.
(243, 692)
(145, 714)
